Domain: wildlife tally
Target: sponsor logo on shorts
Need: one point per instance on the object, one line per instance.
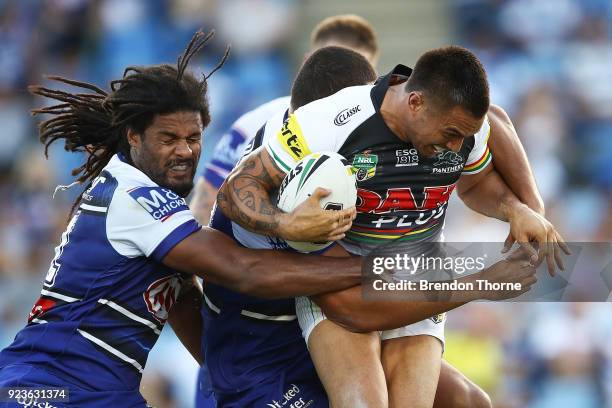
(34, 403)
(364, 166)
(447, 162)
(290, 399)
(161, 203)
(161, 295)
(292, 140)
(438, 318)
(344, 116)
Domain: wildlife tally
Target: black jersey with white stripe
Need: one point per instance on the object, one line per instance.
(401, 194)
(107, 295)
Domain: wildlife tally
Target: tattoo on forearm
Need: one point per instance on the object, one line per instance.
(245, 197)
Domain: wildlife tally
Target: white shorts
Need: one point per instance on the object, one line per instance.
(309, 315)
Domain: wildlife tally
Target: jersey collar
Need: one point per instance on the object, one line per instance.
(382, 83)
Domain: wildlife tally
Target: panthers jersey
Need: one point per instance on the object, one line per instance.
(107, 295)
(402, 195)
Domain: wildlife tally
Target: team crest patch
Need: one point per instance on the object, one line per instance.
(161, 203)
(41, 307)
(448, 158)
(438, 318)
(364, 166)
(447, 162)
(161, 295)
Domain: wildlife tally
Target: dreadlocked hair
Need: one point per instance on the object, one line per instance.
(96, 122)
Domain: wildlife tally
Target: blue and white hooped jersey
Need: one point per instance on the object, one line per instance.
(107, 295)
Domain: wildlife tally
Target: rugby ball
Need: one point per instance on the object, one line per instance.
(324, 169)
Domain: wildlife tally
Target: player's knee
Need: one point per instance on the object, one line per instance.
(360, 400)
(360, 394)
(461, 396)
(468, 395)
(479, 398)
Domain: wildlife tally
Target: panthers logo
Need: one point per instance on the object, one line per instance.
(448, 158)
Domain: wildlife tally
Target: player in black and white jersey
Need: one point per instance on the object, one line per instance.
(355, 33)
(418, 121)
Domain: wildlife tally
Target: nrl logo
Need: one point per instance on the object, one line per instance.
(364, 166)
(448, 158)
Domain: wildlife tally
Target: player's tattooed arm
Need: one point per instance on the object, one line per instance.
(245, 196)
(510, 160)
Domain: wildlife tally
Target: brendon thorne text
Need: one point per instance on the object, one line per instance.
(454, 285)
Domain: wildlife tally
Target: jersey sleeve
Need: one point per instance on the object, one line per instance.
(148, 221)
(316, 127)
(288, 144)
(480, 156)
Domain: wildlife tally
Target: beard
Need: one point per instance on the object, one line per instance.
(182, 186)
(162, 176)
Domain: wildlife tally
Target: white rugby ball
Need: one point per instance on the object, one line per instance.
(324, 169)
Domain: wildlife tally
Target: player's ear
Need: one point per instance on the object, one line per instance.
(416, 101)
(133, 137)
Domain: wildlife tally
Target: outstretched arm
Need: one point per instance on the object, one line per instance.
(218, 259)
(349, 309)
(185, 319)
(510, 160)
(488, 194)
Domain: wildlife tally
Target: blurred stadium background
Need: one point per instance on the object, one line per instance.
(549, 64)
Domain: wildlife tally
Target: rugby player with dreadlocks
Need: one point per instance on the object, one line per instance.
(132, 246)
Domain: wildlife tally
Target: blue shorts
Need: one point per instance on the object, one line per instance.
(278, 394)
(25, 375)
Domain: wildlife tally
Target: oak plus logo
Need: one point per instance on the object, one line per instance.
(344, 116)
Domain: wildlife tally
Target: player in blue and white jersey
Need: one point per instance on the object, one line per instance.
(132, 247)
